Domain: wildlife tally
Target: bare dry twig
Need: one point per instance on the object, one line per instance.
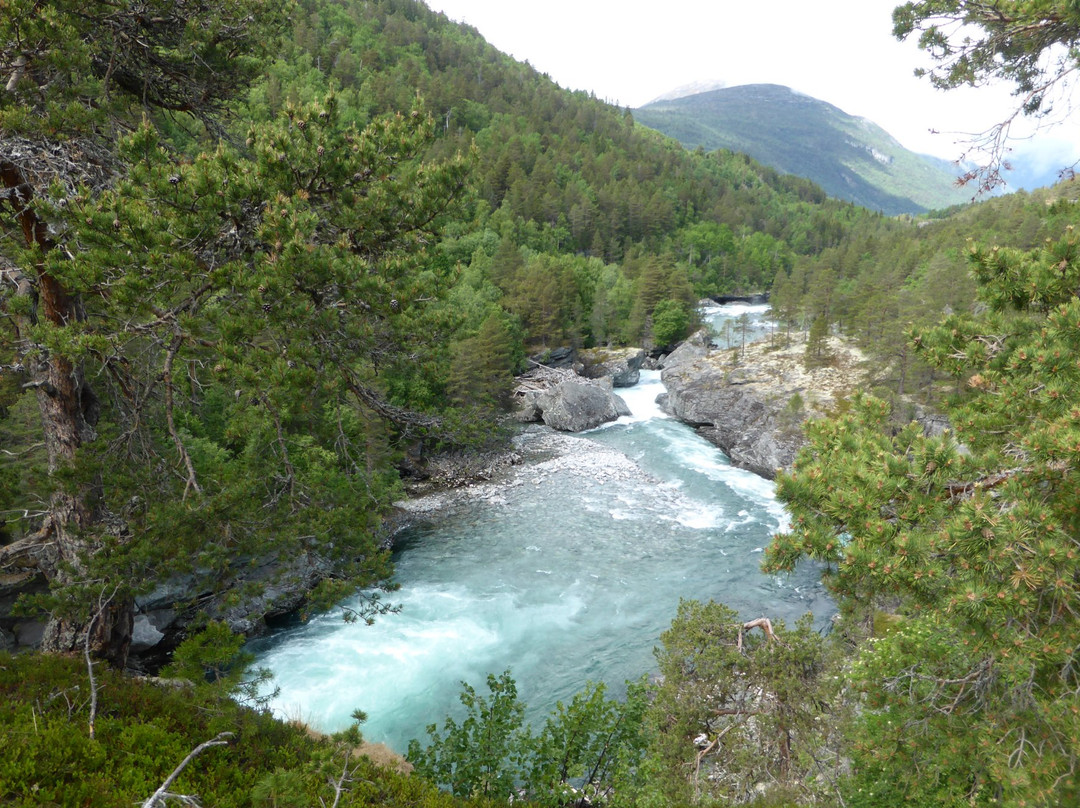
(162, 795)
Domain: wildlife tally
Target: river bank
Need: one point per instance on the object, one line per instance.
(751, 400)
(537, 452)
(564, 567)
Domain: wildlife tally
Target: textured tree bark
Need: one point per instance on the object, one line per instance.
(69, 412)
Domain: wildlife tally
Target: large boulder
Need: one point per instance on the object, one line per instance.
(561, 357)
(578, 404)
(528, 409)
(697, 346)
(744, 417)
(621, 365)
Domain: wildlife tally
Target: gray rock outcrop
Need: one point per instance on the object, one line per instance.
(751, 403)
(577, 405)
(697, 346)
(271, 588)
(736, 413)
(621, 365)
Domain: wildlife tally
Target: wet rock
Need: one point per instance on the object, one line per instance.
(574, 406)
(621, 365)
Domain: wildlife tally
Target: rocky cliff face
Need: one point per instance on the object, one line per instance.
(276, 587)
(751, 402)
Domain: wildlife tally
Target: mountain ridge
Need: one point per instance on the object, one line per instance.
(850, 157)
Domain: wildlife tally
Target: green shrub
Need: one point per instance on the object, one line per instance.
(144, 729)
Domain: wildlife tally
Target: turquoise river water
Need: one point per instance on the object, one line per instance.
(567, 573)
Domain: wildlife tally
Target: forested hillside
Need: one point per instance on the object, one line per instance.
(851, 158)
(350, 255)
(253, 254)
(577, 209)
(881, 282)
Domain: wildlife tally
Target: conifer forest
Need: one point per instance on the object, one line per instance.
(260, 258)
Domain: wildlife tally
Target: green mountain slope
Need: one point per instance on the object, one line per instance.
(851, 158)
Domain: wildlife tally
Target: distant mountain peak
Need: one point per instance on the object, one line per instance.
(849, 157)
(693, 88)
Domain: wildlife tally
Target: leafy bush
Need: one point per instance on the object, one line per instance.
(144, 729)
(578, 758)
(670, 321)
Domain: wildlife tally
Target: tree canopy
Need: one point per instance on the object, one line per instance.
(1032, 44)
(958, 552)
(972, 535)
(221, 347)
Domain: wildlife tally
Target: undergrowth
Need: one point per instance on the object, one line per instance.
(142, 732)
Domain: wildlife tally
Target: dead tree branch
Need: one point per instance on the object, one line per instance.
(159, 798)
(185, 457)
(102, 605)
(763, 623)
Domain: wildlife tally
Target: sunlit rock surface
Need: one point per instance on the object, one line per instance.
(751, 401)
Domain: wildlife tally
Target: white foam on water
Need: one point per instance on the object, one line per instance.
(733, 310)
(621, 541)
(725, 325)
(703, 519)
(747, 519)
(699, 456)
(441, 637)
(641, 399)
(755, 489)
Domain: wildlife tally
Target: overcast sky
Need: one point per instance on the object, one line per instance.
(841, 51)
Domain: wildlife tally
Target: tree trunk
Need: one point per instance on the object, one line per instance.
(69, 412)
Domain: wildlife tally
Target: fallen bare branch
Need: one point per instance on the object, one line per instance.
(162, 795)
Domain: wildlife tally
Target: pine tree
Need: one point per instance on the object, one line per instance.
(93, 70)
(977, 546)
(817, 343)
(482, 366)
(737, 704)
(250, 324)
(1030, 45)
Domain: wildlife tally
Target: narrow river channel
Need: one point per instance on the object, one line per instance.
(567, 573)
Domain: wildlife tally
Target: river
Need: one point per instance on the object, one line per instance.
(567, 571)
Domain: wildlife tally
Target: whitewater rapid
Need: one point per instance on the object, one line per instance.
(567, 571)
